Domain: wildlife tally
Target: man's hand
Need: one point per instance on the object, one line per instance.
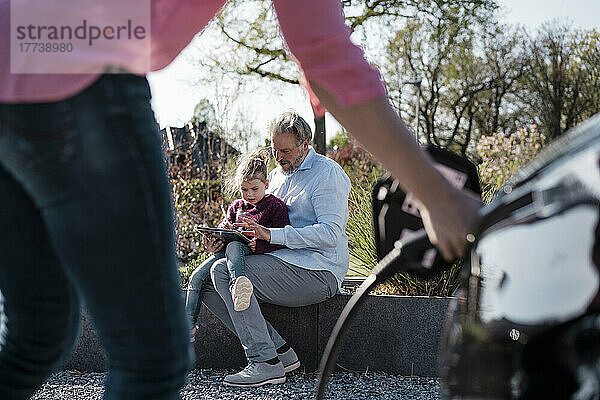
(252, 245)
(450, 221)
(212, 244)
(253, 229)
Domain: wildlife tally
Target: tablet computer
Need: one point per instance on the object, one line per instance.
(226, 235)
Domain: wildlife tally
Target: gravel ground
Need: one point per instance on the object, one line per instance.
(206, 384)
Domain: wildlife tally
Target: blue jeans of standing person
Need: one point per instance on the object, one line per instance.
(86, 214)
(235, 254)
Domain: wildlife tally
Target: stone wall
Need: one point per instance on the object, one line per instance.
(394, 334)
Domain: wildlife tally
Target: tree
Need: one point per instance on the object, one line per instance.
(476, 77)
(248, 31)
(481, 80)
(588, 52)
(221, 118)
(465, 67)
(361, 12)
(503, 65)
(204, 112)
(561, 84)
(248, 44)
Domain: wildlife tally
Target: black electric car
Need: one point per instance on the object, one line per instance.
(526, 320)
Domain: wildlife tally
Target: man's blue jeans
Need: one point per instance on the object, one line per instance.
(85, 213)
(235, 254)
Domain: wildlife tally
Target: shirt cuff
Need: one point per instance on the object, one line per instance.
(277, 236)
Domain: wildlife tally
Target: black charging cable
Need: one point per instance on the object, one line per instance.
(406, 252)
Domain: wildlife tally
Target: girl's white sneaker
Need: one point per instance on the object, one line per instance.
(241, 292)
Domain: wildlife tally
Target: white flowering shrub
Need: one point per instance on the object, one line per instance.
(502, 155)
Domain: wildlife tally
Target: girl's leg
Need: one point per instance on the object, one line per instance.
(236, 253)
(193, 299)
(241, 287)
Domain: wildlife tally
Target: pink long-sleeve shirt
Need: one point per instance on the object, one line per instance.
(314, 31)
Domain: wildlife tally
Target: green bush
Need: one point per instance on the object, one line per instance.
(504, 154)
(363, 255)
(197, 202)
(340, 140)
(185, 271)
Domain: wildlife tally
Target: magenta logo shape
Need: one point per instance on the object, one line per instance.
(79, 36)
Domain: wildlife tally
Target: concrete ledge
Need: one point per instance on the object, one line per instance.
(394, 334)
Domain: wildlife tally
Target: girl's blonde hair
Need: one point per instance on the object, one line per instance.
(252, 165)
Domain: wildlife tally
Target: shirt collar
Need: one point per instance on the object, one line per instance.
(308, 160)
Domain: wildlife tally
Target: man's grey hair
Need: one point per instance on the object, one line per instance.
(291, 122)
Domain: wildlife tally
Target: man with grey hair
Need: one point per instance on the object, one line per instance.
(290, 123)
(309, 270)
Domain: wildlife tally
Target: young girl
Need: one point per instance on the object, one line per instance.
(267, 210)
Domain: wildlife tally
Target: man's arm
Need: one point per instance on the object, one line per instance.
(448, 213)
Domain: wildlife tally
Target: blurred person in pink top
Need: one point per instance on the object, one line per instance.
(85, 212)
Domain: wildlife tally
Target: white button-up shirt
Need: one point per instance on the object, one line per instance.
(316, 195)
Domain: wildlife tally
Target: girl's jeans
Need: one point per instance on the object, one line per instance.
(235, 253)
(85, 214)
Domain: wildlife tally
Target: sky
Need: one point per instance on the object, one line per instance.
(583, 13)
(174, 96)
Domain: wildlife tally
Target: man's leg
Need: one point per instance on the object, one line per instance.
(40, 316)
(94, 167)
(275, 282)
(215, 304)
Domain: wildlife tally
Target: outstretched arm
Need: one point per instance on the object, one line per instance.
(448, 213)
